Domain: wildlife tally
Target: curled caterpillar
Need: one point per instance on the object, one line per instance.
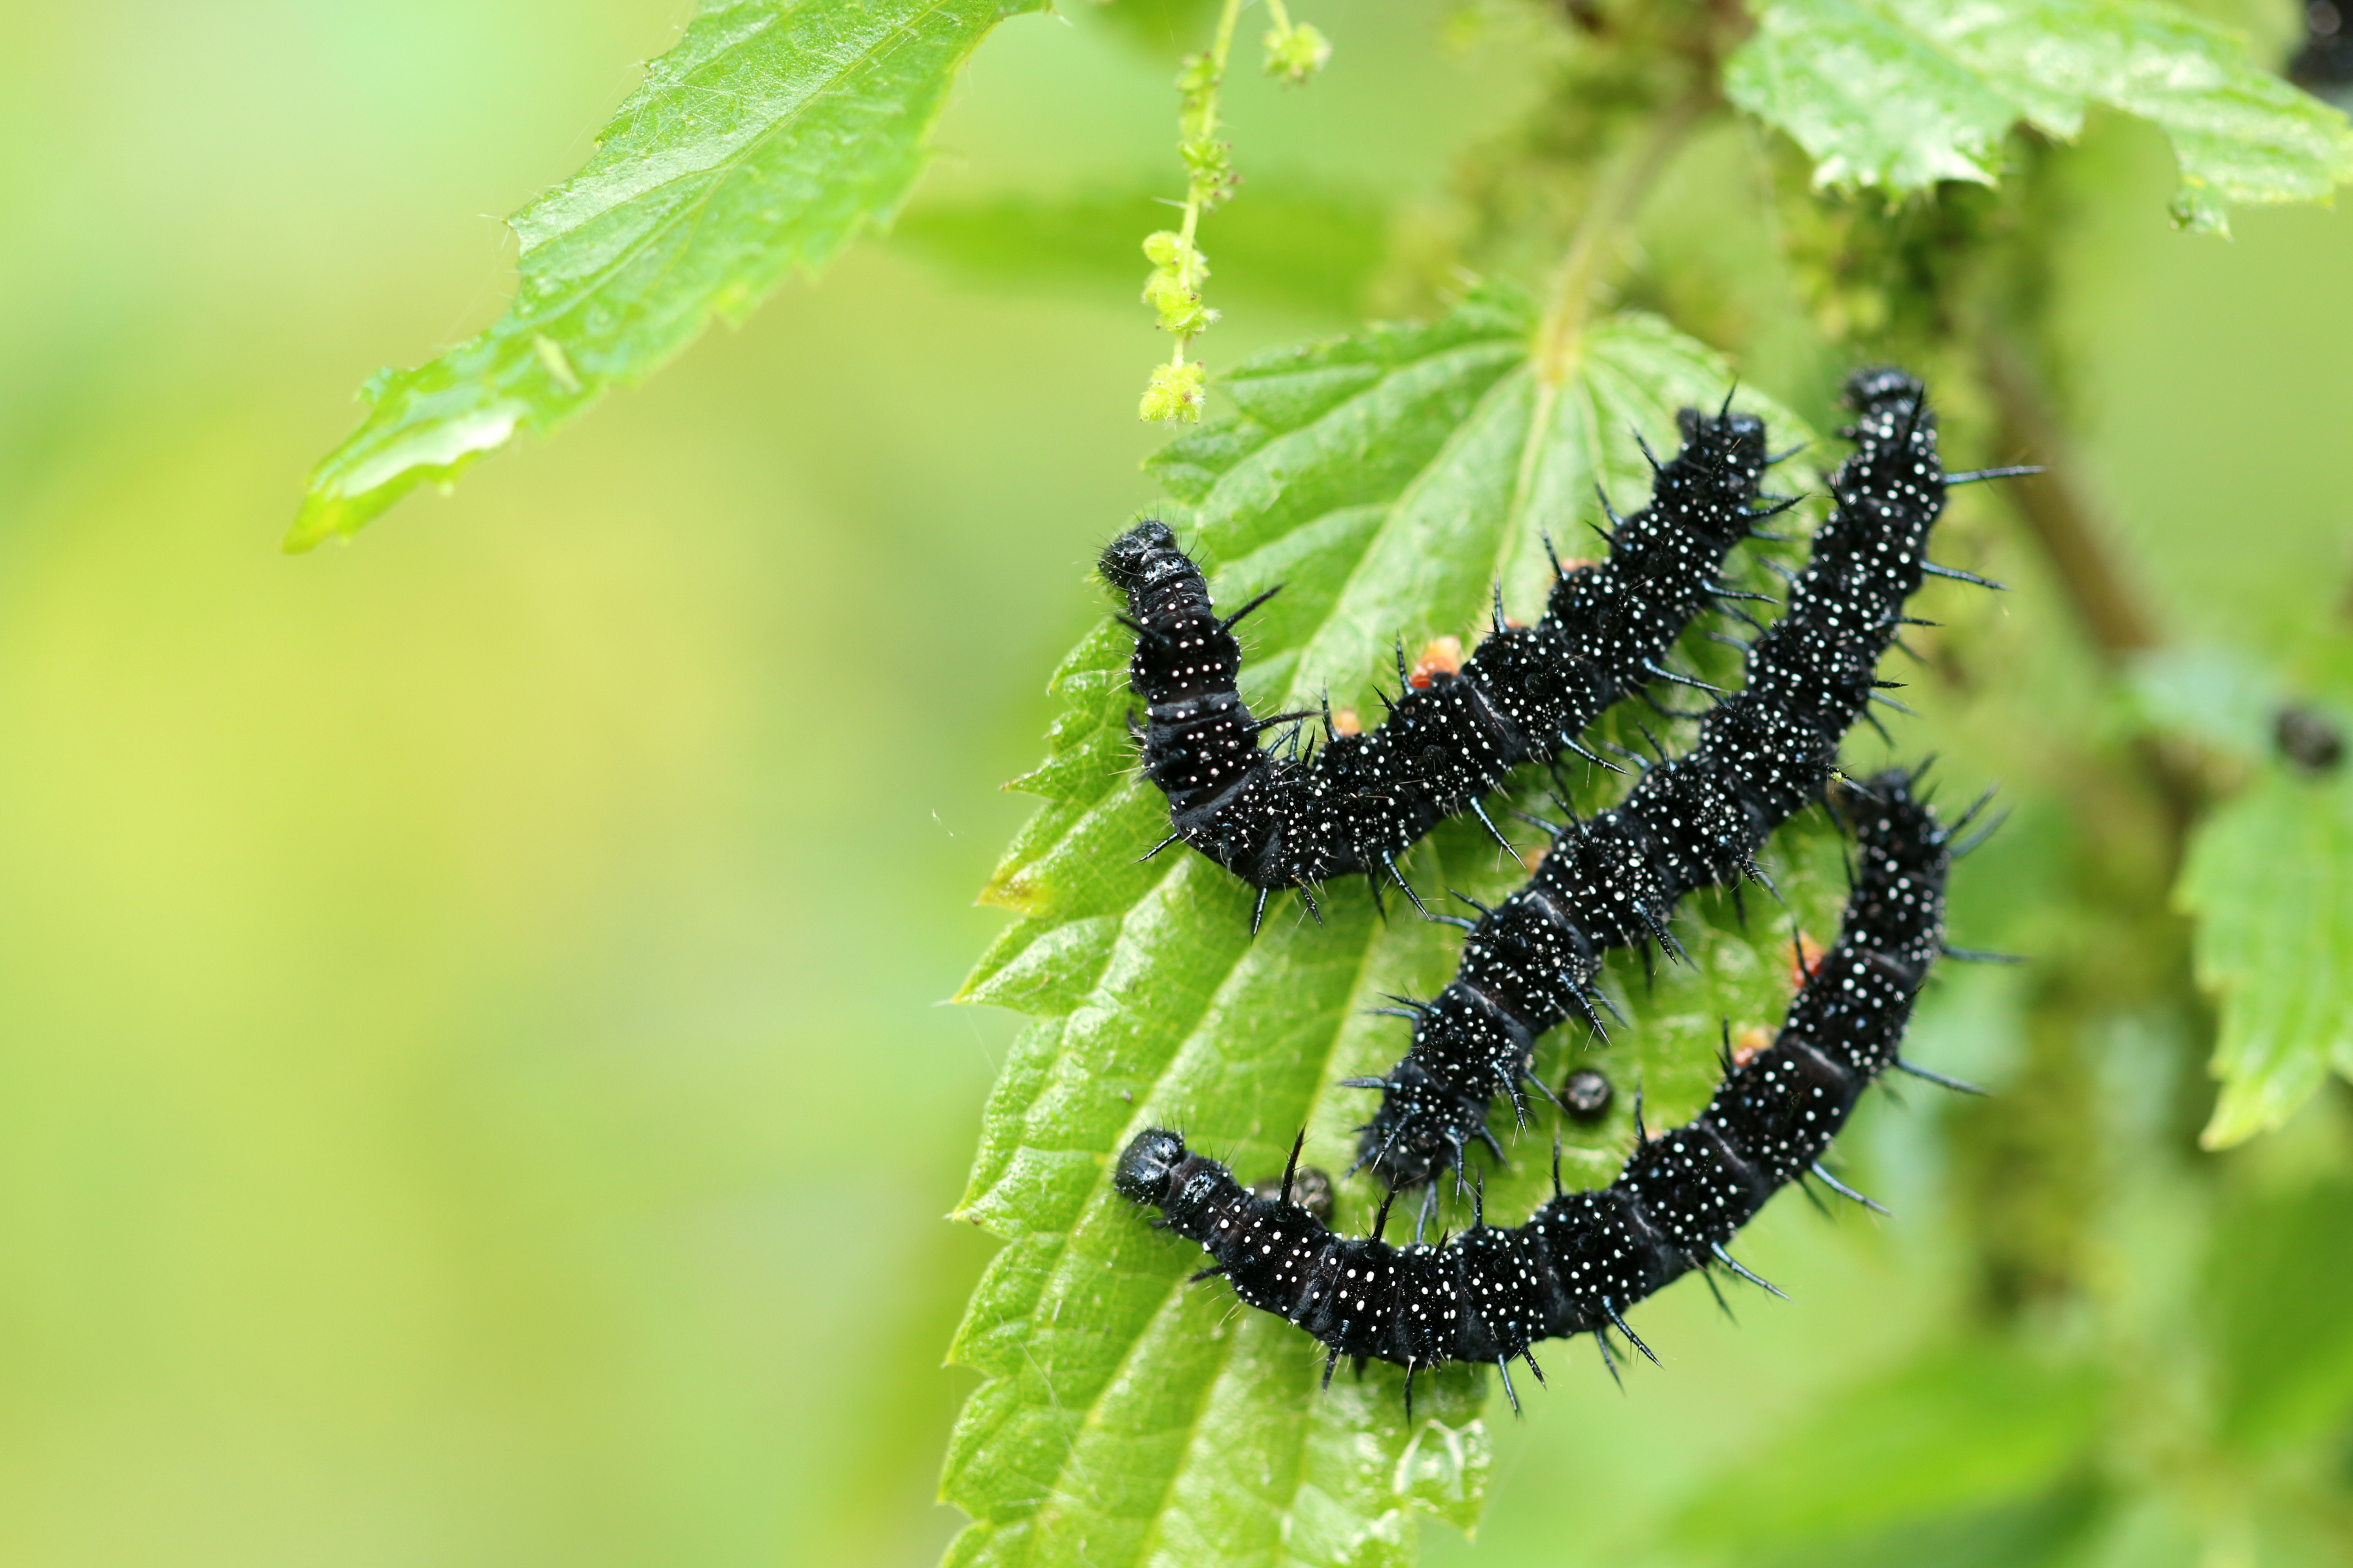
(1584, 1258)
(1763, 754)
(1277, 820)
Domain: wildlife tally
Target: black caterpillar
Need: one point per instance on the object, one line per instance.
(1277, 820)
(2324, 64)
(1583, 1259)
(1762, 755)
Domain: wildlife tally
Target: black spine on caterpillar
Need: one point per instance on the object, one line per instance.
(1584, 1258)
(1278, 820)
(1763, 754)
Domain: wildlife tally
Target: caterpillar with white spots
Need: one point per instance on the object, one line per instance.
(1586, 1258)
(1762, 755)
(1279, 820)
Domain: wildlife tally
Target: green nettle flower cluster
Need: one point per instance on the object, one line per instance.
(1294, 52)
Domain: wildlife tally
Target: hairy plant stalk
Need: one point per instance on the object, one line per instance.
(1616, 203)
(1569, 301)
(1199, 126)
(2063, 516)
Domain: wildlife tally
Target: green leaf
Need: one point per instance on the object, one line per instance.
(1386, 479)
(758, 146)
(2270, 882)
(1904, 93)
(1962, 1437)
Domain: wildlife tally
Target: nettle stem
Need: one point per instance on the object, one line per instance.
(2064, 515)
(1568, 302)
(1206, 158)
(1294, 53)
(1615, 202)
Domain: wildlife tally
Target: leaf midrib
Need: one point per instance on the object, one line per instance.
(1389, 510)
(1470, 424)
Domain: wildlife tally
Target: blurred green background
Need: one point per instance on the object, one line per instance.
(473, 1085)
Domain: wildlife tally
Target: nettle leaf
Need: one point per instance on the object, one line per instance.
(2270, 882)
(1904, 93)
(762, 143)
(1385, 480)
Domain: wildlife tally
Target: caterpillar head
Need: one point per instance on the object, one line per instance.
(1152, 1157)
(1141, 556)
(1741, 433)
(1877, 386)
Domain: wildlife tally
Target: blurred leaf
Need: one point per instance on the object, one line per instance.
(1953, 1442)
(1306, 248)
(2218, 696)
(2283, 1340)
(1386, 478)
(1163, 29)
(2270, 882)
(2047, 1528)
(1904, 93)
(768, 137)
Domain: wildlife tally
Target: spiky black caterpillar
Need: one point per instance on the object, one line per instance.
(1583, 1259)
(1279, 821)
(1762, 755)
